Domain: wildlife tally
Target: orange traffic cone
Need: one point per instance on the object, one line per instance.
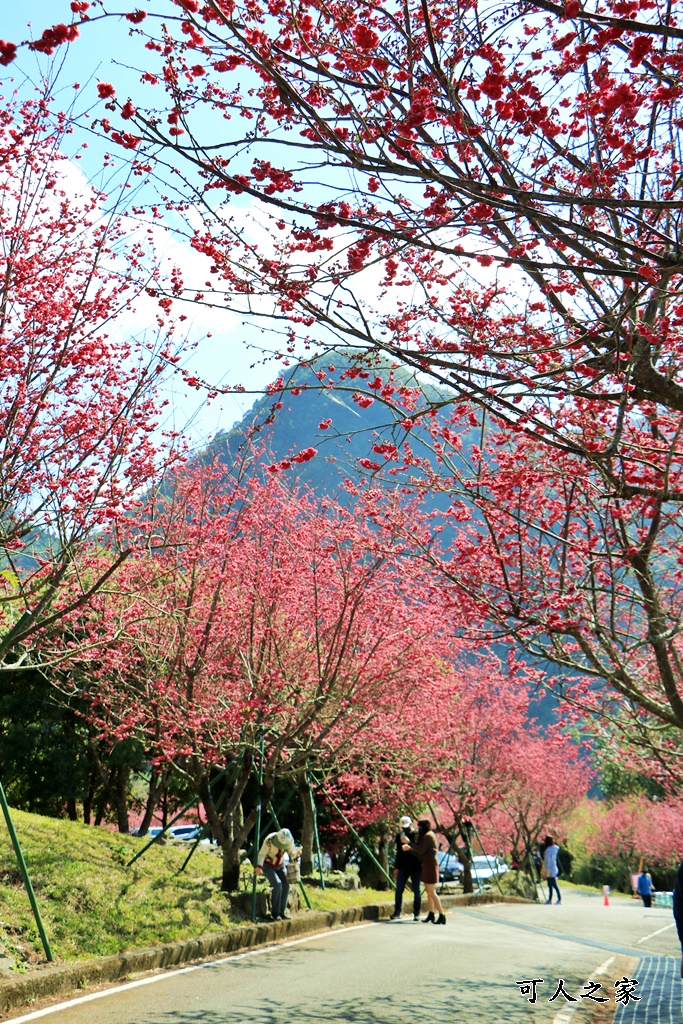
(605, 889)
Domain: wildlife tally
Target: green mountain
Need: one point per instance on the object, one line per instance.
(296, 426)
(313, 414)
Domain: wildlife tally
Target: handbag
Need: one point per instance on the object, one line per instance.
(294, 872)
(544, 870)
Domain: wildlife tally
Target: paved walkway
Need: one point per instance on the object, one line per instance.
(646, 987)
(660, 989)
(473, 971)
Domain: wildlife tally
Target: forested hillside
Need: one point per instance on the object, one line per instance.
(332, 416)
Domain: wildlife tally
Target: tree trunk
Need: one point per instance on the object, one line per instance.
(467, 885)
(465, 828)
(98, 772)
(231, 830)
(307, 830)
(69, 732)
(155, 783)
(88, 801)
(383, 855)
(101, 808)
(94, 780)
(120, 787)
(230, 881)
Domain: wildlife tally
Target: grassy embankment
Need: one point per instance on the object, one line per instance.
(93, 905)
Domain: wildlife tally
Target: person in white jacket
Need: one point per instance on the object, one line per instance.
(270, 861)
(550, 852)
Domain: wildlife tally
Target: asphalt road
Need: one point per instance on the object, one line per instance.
(400, 972)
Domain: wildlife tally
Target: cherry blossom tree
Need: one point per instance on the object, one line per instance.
(636, 831)
(78, 392)
(466, 754)
(547, 779)
(503, 777)
(429, 139)
(518, 168)
(588, 585)
(487, 194)
(263, 632)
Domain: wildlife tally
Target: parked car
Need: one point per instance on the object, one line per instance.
(188, 832)
(449, 867)
(323, 864)
(484, 867)
(149, 834)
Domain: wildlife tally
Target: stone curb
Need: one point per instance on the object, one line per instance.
(65, 979)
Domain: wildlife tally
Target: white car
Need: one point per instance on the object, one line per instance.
(484, 867)
(186, 832)
(151, 833)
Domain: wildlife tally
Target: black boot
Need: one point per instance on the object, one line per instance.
(441, 919)
(428, 918)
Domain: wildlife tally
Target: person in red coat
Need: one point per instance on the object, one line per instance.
(425, 849)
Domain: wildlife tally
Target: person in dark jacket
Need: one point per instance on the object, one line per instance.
(406, 867)
(678, 909)
(425, 849)
(645, 888)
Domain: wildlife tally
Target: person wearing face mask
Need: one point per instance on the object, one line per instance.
(425, 849)
(406, 868)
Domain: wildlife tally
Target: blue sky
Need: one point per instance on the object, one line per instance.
(228, 357)
(234, 354)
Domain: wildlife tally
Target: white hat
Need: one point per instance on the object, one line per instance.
(406, 822)
(284, 836)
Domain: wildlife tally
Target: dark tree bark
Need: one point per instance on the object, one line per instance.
(156, 782)
(307, 830)
(383, 854)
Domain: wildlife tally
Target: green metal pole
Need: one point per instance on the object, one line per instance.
(257, 831)
(487, 859)
(194, 847)
(451, 843)
(304, 893)
(273, 816)
(358, 838)
(24, 874)
(205, 828)
(314, 815)
(466, 834)
(156, 838)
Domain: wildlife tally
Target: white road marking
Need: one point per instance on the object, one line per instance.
(36, 1014)
(658, 932)
(565, 1015)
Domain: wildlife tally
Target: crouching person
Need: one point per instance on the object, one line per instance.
(270, 861)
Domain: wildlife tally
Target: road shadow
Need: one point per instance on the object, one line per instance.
(456, 1001)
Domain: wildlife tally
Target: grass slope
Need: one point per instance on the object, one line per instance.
(93, 905)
